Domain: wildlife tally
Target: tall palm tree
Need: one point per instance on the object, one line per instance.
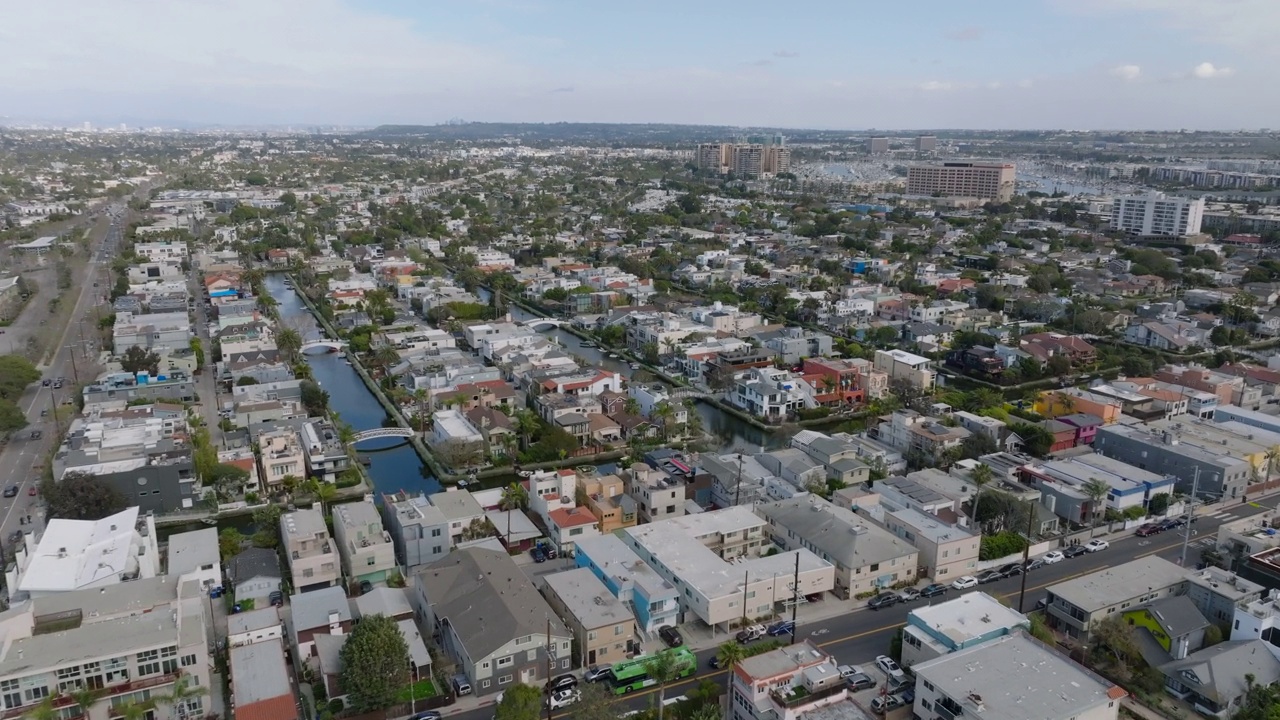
(423, 398)
(85, 698)
(663, 669)
(1096, 490)
(526, 424)
(44, 711)
(132, 710)
(665, 412)
(514, 497)
(1273, 456)
(730, 654)
(325, 492)
(980, 476)
(179, 694)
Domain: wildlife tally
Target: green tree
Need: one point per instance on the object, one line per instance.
(314, 399)
(514, 497)
(230, 543)
(136, 360)
(979, 476)
(180, 695)
(289, 342)
(662, 669)
(80, 496)
(730, 654)
(16, 373)
(44, 711)
(11, 417)
(375, 663)
(519, 702)
(1095, 490)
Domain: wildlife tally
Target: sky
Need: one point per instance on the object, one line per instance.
(822, 64)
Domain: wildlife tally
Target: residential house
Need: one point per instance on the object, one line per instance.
(789, 683)
(461, 511)
(602, 626)
(258, 625)
(947, 550)
(366, 549)
(565, 525)
(653, 600)
(1209, 470)
(1076, 605)
(321, 612)
(310, 552)
(1215, 680)
(195, 552)
(657, 494)
(490, 620)
(419, 530)
(838, 457)
(906, 368)
(607, 499)
(967, 621)
(254, 574)
(865, 557)
(281, 456)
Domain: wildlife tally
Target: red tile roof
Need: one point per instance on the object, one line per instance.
(566, 518)
(276, 708)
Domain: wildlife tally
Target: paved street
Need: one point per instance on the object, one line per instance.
(25, 454)
(856, 635)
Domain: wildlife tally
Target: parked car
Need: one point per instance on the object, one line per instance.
(1168, 524)
(1035, 564)
(427, 715)
(365, 587)
(884, 703)
(890, 668)
(786, 627)
(276, 598)
(1010, 569)
(883, 600)
(11, 491)
(1073, 551)
(933, 590)
(989, 576)
(670, 636)
(35, 434)
(1094, 546)
(714, 662)
(46, 382)
(909, 594)
(1147, 530)
(563, 698)
(596, 673)
(848, 671)
(751, 634)
(538, 555)
(1053, 556)
(860, 681)
(964, 583)
(561, 682)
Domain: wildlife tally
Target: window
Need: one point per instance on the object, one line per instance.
(565, 663)
(484, 665)
(371, 559)
(188, 660)
(617, 630)
(591, 635)
(504, 661)
(12, 695)
(504, 679)
(874, 567)
(484, 683)
(148, 663)
(435, 532)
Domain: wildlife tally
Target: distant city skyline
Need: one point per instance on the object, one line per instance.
(820, 64)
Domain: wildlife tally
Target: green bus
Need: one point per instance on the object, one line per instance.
(631, 674)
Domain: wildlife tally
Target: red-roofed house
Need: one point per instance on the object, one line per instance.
(487, 394)
(566, 526)
(584, 384)
(954, 285)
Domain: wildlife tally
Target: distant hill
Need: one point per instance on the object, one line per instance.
(644, 133)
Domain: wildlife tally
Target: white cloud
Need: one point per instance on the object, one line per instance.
(936, 86)
(1244, 25)
(1127, 72)
(1206, 70)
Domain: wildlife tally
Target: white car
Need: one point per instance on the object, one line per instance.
(1053, 557)
(890, 668)
(563, 698)
(848, 671)
(964, 583)
(1094, 546)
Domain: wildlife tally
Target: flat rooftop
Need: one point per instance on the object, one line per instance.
(1016, 678)
(587, 598)
(967, 617)
(1112, 586)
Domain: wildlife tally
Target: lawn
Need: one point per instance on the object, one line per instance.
(421, 690)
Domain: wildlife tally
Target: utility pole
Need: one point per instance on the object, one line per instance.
(737, 495)
(1026, 552)
(550, 661)
(75, 373)
(795, 598)
(746, 574)
(1191, 517)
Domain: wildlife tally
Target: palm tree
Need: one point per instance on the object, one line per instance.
(631, 406)
(178, 696)
(730, 654)
(289, 342)
(980, 476)
(526, 424)
(1096, 490)
(325, 492)
(85, 698)
(132, 710)
(665, 412)
(662, 669)
(1273, 456)
(44, 711)
(514, 497)
(425, 405)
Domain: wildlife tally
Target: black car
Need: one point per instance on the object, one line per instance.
(670, 636)
(1169, 524)
(1010, 569)
(989, 576)
(561, 682)
(1073, 551)
(933, 590)
(365, 587)
(276, 598)
(883, 600)
(714, 662)
(427, 715)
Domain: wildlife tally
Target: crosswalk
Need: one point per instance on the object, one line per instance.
(1223, 515)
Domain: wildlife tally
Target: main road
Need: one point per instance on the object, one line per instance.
(46, 408)
(859, 635)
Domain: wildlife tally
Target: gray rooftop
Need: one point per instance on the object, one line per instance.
(128, 598)
(312, 609)
(189, 550)
(487, 599)
(1218, 672)
(382, 601)
(912, 489)
(782, 660)
(457, 504)
(931, 527)
(835, 533)
(1014, 678)
(258, 672)
(252, 563)
(259, 619)
(90, 641)
(587, 598)
(620, 562)
(1112, 586)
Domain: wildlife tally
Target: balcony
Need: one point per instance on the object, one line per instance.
(800, 695)
(63, 701)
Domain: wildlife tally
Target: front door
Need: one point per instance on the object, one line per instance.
(591, 657)
(528, 675)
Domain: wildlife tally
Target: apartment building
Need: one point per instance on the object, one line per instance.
(771, 393)
(865, 557)
(365, 547)
(281, 456)
(460, 509)
(908, 431)
(963, 622)
(1212, 470)
(974, 683)
(656, 494)
(878, 145)
(1130, 486)
(747, 161)
(74, 555)
(947, 551)
(602, 626)
(326, 455)
(1074, 606)
(908, 368)
(129, 642)
(1157, 214)
(157, 330)
(717, 563)
(654, 601)
(713, 156)
(985, 181)
(789, 683)
(311, 554)
(419, 530)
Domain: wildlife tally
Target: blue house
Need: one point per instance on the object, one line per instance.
(654, 601)
(971, 619)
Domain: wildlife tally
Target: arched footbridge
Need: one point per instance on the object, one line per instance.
(400, 432)
(327, 345)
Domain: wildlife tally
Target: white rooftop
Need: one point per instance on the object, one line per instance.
(75, 554)
(967, 617)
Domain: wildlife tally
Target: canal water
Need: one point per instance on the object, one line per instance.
(394, 465)
(733, 433)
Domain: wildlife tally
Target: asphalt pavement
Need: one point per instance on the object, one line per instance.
(23, 458)
(857, 635)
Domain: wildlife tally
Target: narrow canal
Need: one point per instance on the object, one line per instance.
(393, 464)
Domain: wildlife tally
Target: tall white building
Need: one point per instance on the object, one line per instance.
(1157, 214)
